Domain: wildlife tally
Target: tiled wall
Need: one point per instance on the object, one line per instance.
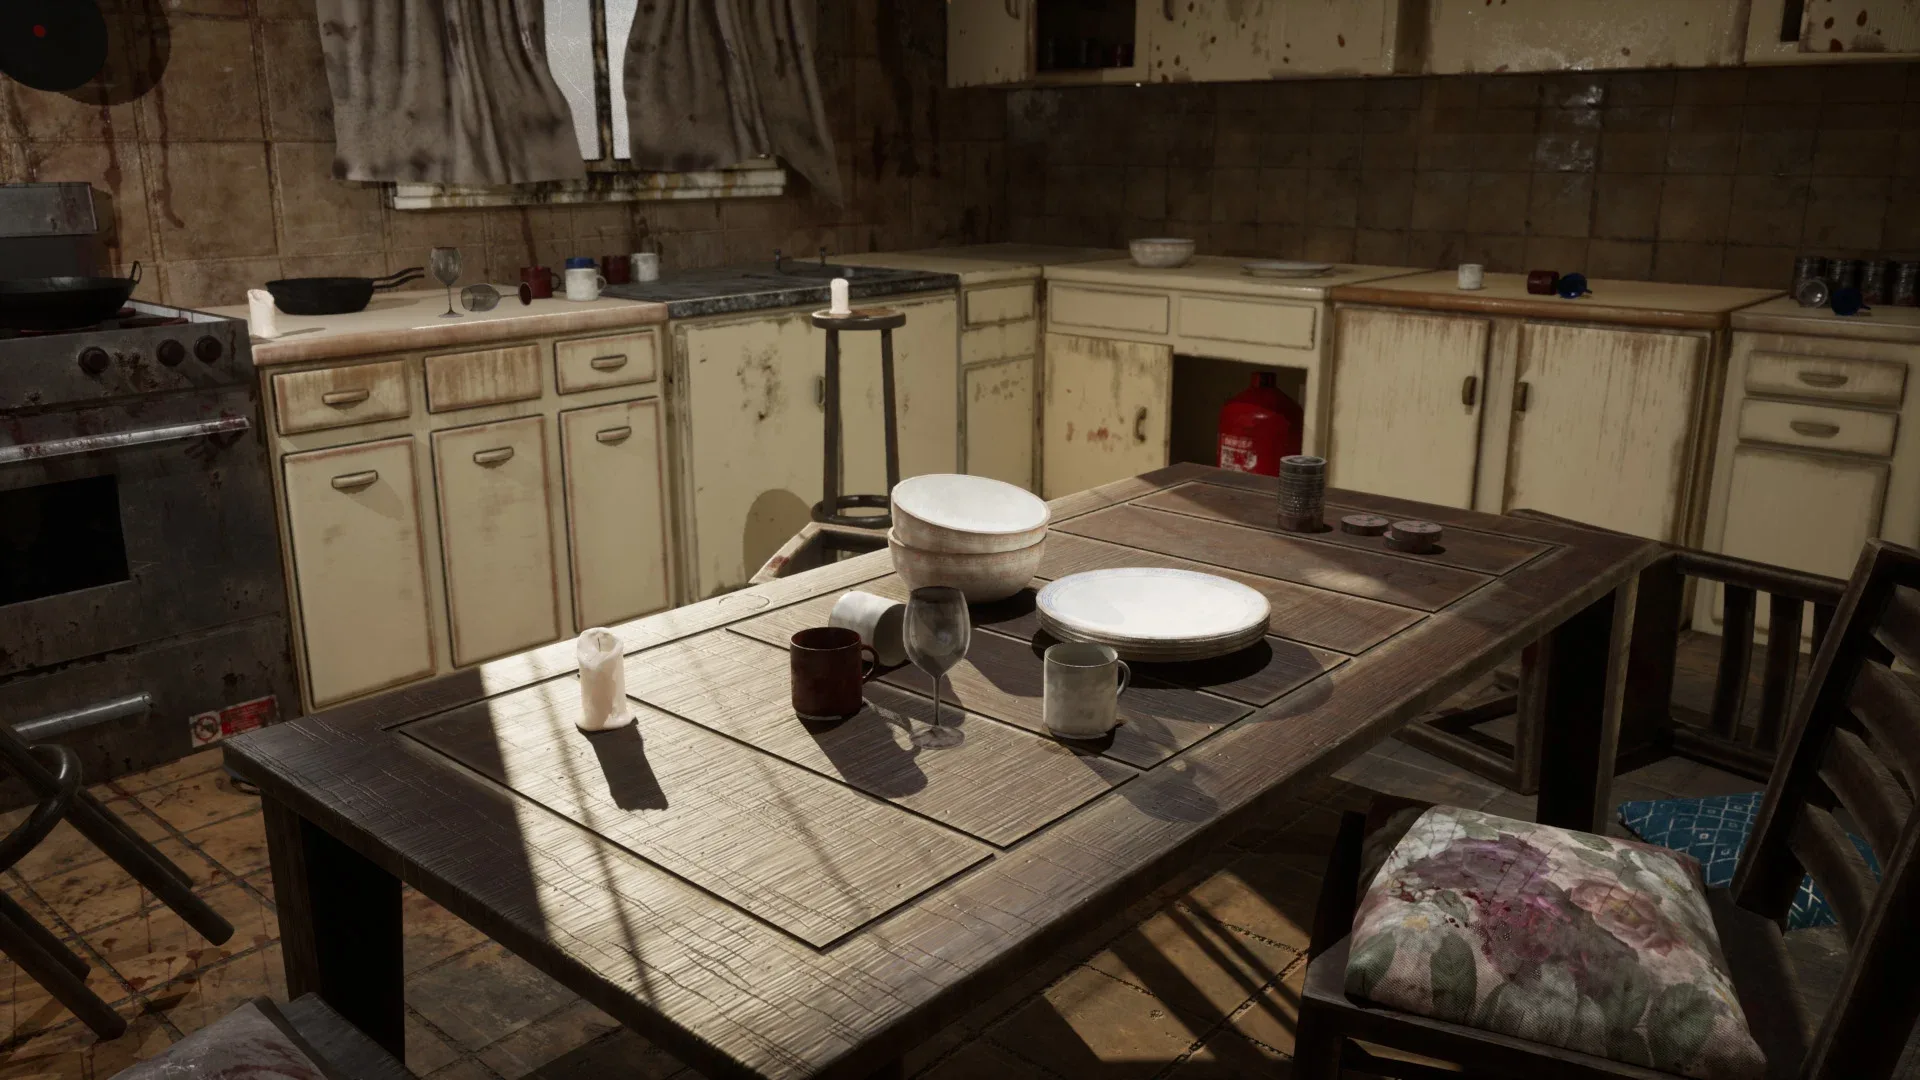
(222, 177)
(1691, 176)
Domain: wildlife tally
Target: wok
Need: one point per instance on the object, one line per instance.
(63, 303)
(334, 295)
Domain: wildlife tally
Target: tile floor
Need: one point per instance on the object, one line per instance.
(1198, 982)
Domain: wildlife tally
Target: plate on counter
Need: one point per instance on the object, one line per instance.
(1154, 613)
(1285, 268)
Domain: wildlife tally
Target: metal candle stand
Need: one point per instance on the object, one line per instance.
(833, 506)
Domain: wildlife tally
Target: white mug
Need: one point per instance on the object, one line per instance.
(1472, 276)
(584, 283)
(1083, 685)
(880, 622)
(645, 265)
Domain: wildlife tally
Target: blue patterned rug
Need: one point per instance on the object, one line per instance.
(1713, 830)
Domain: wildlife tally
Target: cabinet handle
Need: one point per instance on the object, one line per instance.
(354, 481)
(494, 456)
(1814, 429)
(608, 363)
(1822, 378)
(1470, 390)
(613, 434)
(1522, 394)
(1013, 9)
(340, 399)
(1140, 425)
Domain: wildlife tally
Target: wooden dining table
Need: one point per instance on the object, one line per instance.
(768, 897)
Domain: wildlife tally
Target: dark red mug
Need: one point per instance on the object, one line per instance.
(829, 665)
(617, 269)
(1543, 282)
(539, 280)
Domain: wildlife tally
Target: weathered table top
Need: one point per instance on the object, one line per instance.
(768, 897)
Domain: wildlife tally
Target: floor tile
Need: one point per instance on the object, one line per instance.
(432, 932)
(191, 765)
(99, 893)
(982, 1060)
(484, 995)
(198, 800)
(157, 946)
(1088, 1025)
(1272, 1018)
(26, 1006)
(545, 1039)
(1228, 1055)
(426, 1051)
(618, 1055)
(262, 883)
(1269, 896)
(65, 848)
(238, 844)
(462, 1070)
(1192, 963)
(197, 999)
(73, 1052)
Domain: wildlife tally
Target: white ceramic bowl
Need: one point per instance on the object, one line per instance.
(1160, 251)
(983, 576)
(957, 513)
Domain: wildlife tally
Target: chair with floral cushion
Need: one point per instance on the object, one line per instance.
(1512, 949)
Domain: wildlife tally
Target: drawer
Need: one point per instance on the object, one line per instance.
(992, 344)
(1000, 303)
(594, 363)
(1072, 305)
(1209, 318)
(488, 377)
(340, 396)
(1840, 378)
(1823, 427)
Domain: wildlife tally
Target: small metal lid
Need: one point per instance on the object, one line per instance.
(1413, 536)
(1364, 524)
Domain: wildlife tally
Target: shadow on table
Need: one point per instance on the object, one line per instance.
(631, 783)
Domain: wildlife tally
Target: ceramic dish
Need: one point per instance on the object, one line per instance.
(956, 513)
(984, 576)
(1160, 252)
(1154, 613)
(1171, 654)
(1284, 268)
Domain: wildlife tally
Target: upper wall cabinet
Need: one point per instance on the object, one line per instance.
(1474, 35)
(1825, 31)
(1276, 39)
(1049, 42)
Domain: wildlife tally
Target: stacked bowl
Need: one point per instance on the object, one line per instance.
(981, 536)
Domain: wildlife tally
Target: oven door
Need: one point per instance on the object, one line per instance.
(131, 522)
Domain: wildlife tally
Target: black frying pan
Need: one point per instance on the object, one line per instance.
(63, 303)
(334, 295)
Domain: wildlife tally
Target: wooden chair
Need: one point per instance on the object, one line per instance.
(1856, 717)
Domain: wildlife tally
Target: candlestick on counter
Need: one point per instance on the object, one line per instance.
(603, 681)
(838, 290)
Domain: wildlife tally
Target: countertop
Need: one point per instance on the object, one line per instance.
(412, 320)
(980, 264)
(1636, 303)
(730, 290)
(1220, 274)
(1883, 322)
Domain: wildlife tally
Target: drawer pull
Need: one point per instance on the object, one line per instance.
(494, 456)
(613, 434)
(1522, 396)
(354, 481)
(608, 363)
(1813, 429)
(1470, 390)
(340, 399)
(1822, 378)
(1140, 425)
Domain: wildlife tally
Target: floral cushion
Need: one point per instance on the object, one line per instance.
(1564, 938)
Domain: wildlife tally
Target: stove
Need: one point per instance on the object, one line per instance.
(142, 599)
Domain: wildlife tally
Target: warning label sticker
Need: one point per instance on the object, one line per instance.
(208, 728)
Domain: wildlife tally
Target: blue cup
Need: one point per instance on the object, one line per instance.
(1573, 286)
(582, 262)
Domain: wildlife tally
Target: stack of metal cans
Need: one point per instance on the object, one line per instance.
(1303, 493)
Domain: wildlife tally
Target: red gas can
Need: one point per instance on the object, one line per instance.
(1259, 426)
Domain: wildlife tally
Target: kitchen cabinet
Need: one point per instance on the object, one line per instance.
(925, 398)
(1000, 420)
(359, 567)
(1408, 429)
(989, 42)
(1603, 425)
(1830, 31)
(615, 461)
(1475, 36)
(1105, 409)
(496, 537)
(1839, 497)
(1279, 39)
(1008, 42)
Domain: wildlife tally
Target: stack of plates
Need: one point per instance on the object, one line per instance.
(981, 536)
(1154, 614)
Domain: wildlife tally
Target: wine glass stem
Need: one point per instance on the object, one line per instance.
(450, 300)
(936, 701)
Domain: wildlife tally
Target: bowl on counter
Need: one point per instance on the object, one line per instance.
(1160, 252)
(982, 576)
(953, 512)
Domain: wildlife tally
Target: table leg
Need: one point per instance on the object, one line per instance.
(339, 926)
(1583, 664)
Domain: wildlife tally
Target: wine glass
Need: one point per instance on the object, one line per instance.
(937, 630)
(445, 264)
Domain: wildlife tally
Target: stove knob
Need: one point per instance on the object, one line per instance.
(208, 349)
(171, 352)
(94, 360)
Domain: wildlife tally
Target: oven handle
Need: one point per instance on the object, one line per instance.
(120, 440)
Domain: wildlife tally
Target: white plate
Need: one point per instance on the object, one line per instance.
(1153, 608)
(1163, 654)
(1285, 268)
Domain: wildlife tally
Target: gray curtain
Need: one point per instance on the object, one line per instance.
(712, 83)
(446, 92)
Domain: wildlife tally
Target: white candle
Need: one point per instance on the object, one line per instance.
(839, 292)
(603, 682)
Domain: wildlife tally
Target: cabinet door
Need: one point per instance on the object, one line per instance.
(1269, 39)
(1804, 511)
(1407, 389)
(987, 41)
(496, 537)
(1473, 35)
(1000, 421)
(926, 393)
(353, 521)
(1106, 411)
(1603, 426)
(616, 511)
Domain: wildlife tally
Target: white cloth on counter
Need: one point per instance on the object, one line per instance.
(263, 319)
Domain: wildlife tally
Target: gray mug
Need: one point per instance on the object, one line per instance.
(1082, 689)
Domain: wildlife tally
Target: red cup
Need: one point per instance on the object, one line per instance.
(539, 281)
(1543, 282)
(617, 269)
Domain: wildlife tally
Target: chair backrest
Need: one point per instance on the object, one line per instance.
(1853, 742)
